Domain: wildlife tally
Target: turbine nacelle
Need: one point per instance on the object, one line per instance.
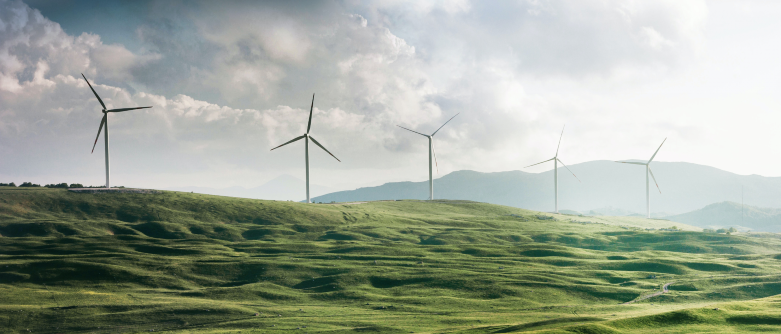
(104, 123)
(648, 164)
(556, 160)
(433, 153)
(648, 172)
(308, 137)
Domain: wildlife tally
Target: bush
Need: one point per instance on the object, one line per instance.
(721, 230)
(76, 185)
(29, 184)
(8, 184)
(58, 185)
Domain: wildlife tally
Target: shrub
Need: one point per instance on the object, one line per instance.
(29, 184)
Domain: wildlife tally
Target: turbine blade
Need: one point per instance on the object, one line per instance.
(294, 139)
(448, 121)
(657, 151)
(102, 121)
(93, 91)
(632, 162)
(551, 159)
(412, 131)
(126, 109)
(652, 176)
(312, 107)
(435, 156)
(321, 146)
(557, 147)
(565, 166)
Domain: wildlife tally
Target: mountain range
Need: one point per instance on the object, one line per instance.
(603, 186)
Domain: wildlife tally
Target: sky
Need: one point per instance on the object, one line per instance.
(228, 81)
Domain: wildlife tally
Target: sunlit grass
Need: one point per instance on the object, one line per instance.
(197, 263)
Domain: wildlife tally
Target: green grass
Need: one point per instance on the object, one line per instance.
(184, 262)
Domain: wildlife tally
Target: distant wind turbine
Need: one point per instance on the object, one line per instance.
(104, 123)
(306, 138)
(430, 153)
(647, 172)
(556, 171)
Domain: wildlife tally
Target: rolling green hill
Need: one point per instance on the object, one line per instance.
(182, 262)
(729, 214)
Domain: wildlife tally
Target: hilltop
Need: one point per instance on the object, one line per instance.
(684, 187)
(184, 262)
(731, 214)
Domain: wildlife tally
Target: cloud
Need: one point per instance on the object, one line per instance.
(229, 82)
(30, 43)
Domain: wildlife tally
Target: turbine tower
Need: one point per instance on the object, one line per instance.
(306, 138)
(556, 171)
(430, 154)
(104, 123)
(647, 172)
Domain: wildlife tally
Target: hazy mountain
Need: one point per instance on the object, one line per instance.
(282, 188)
(730, 214)
(605, 184)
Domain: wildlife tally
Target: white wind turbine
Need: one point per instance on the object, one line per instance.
(430, 153)
(647, 172)
(556, 171)
(306, 138)
(104, 123)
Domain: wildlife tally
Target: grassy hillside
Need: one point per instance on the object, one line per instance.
(185, 262)
(731, 214)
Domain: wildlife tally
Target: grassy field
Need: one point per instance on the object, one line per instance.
(191, 263)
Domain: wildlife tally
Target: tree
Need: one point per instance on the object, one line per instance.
(76, 185)
(721, 230)
(58, 185)
(8, 184)
(29, 184)
(732, 230)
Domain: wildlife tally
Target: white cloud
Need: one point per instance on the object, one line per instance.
(228, 86)
(29, 41)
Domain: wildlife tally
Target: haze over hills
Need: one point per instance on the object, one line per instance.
(281, 188)
(731, 214)
(605, 184)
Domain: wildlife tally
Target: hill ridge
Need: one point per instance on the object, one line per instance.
(685, 187)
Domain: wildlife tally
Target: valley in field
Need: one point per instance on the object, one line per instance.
(192, 263)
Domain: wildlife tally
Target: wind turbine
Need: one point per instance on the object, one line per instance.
(104, 123)
(430, 153)
(306, 138)
(556, 171)
(647, 172)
